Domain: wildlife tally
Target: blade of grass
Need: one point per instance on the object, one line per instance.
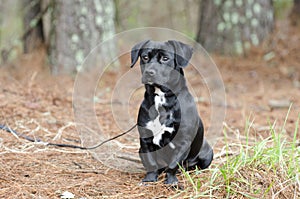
(286, 118)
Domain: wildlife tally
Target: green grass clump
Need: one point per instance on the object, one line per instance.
(264, 168)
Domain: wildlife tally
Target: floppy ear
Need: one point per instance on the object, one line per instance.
(135, 52)
(183, 52)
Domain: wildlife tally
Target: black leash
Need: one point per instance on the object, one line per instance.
(5, 128)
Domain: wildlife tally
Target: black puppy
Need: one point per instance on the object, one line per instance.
(171, 131)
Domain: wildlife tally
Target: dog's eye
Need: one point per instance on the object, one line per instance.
(145, 57)
(164, 58)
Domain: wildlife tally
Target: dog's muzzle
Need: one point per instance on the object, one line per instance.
(149, 76)
(156, 74)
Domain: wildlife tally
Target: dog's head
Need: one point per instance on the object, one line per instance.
(161, 62)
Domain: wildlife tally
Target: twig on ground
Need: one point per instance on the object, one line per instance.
(60, 130)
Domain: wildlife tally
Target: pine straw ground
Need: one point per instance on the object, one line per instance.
(245, 166)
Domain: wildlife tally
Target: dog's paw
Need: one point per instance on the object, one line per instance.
(171, 179)
(151, 177)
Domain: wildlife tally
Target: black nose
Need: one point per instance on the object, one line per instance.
(150, 72)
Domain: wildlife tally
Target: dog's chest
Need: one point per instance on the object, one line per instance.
(161, 123)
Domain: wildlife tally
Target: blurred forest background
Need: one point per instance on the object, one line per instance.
(254, 43)
(70, 29)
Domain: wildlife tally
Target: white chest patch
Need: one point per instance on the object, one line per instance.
(155, 126)
(159, 99)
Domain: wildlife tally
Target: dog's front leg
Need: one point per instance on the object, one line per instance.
(151, 166)
(182, 151)
(148, 156)
(171, 176)
(151, 176)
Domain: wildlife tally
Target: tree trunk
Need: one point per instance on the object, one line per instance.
(231, 27)
(11, 30)
(33, 35)
(78, 26)
(295, 14)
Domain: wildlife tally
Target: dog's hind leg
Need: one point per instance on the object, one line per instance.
(205, 156)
